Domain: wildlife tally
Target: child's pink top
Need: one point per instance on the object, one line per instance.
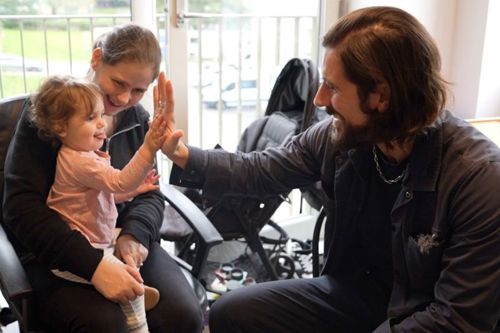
(83, 189)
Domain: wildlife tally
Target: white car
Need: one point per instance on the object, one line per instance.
(14, 63)
(230, 95)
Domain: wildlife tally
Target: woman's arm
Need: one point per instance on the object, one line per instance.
(142, 217)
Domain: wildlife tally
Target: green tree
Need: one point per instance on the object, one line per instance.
(17, 7)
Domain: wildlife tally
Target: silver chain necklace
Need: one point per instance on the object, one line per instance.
(379, 169)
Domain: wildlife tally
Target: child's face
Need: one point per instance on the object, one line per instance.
(85, 132)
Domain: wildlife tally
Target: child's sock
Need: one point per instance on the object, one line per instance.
(136, 315)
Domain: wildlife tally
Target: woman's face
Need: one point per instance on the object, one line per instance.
(123, 84)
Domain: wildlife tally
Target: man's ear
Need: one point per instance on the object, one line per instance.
(96, 57)
(380, 98)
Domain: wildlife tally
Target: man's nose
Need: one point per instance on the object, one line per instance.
(321, 98)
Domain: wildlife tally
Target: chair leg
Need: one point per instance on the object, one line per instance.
(6, 317)
(256, 246)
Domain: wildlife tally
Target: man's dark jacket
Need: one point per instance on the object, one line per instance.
(449, 199)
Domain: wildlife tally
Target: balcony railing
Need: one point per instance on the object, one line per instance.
(234, 60)
(34, 46)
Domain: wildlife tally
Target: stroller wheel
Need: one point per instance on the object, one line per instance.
(284, 265)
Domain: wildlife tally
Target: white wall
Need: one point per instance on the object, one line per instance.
(465, 32)
(437, 16)
(468, 55)
(489, 86)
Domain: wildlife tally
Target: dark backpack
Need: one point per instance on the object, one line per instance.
(293, 95)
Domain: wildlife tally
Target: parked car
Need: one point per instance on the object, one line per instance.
(230, 94)
(14, 63)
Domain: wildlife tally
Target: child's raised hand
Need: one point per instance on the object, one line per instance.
(155, 137)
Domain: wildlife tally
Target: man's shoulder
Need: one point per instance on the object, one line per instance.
(463, 139)
(464, 147)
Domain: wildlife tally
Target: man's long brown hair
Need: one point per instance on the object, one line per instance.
(386, 44)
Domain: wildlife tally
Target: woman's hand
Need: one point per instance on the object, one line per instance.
(173, 147)
(118, 282)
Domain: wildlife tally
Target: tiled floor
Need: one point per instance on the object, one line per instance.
(12, 328)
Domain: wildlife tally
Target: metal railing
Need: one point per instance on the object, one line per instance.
(22, 68)
(247, 51)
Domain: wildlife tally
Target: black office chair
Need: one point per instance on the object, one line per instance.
(317, 260)
(14, 283)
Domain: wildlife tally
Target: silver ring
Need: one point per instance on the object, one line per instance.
(160, 105)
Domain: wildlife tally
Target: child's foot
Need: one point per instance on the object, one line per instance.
(151, 297)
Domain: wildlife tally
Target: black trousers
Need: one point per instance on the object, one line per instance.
(316, 305)
(68, 307)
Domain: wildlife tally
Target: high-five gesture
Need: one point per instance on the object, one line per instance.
(173, 147)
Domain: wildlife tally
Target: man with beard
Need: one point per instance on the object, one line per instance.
(412, 237)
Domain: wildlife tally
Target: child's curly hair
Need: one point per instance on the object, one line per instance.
(59, 98)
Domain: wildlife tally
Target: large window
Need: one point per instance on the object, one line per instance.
(235, 51)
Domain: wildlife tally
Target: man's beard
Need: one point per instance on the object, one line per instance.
(346, 136)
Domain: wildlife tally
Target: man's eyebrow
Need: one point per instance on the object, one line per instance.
(324, 77)
(329, 83)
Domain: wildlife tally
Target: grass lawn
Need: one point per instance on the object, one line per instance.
(53, 42)
(13, 83)
(34, 42)
(57, 41)
(34, 49)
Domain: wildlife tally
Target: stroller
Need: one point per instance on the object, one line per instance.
(290, 111)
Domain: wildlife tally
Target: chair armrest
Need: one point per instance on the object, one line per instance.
(191, 214)
(208, 236)
(13, 279)
(315, 242)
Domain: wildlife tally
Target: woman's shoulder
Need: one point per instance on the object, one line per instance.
(137, 112)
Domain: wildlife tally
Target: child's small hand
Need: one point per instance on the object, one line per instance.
(148, 184)
(155, 137)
